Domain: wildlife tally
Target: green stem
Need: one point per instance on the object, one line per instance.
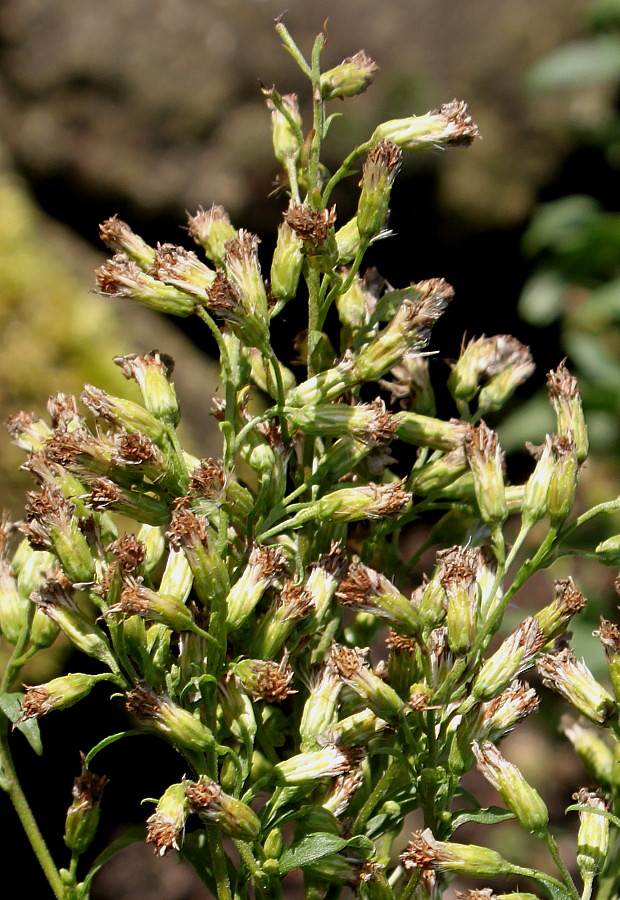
(293, 49)
(552, 847)
(313, 282)
(318, 115)
(588, 884)
(281, 397)
(11, 785)
(345, 170)
(376, 796)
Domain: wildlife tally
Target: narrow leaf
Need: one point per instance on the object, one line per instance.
(11, 706)
(111, 739)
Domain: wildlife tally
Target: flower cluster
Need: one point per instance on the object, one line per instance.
(244, 621)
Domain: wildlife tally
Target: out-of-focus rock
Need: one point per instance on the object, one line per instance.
(155, 102)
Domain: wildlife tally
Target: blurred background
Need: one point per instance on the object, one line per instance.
(152, 108)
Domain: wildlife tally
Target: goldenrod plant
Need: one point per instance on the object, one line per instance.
(321, 695)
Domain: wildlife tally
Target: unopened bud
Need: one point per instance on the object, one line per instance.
(351, 77)
(574, 681)
(285, 139)
(609, 636)
(593, 751)
(83, 814)
(236, 819)
(119, 238)
(450, 125)
(211, 229)
(593, 836)
(380, 170)
(286, 263)
(486, 462)
(166, 825)
(519, 796)
(425, 852)
(566, 399)
(160, 714)
(59, 693)
(152, 372)
(562, 479)
(121, 277)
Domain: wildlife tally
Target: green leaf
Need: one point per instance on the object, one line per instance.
(131, 836)
(551, 889)
(581, 807)
(111, 739)
(316, 846)
(489, 815)
(11, 706)
(542, 299)
(578, 64)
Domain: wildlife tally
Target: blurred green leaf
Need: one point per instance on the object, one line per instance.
(541, 301)
(578, 64)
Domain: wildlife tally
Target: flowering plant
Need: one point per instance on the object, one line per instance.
(239, 619)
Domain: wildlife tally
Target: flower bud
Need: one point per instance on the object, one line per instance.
(28, 431)
(351, 77)
(158, 713)
(562, 479)
(609, 636)
(286, 264)
(608, 551)
(180, 268)
(324, 577)
(574, 681)
(138, 600)
(519, 796)
(450, 125)
(486, 462)
(57, 603)
(501, 714)
(265, 680)
(121, 277)
(285, 139)
(424, 431)
(364, 589)
(275, 627)
(378, 696)
(409, 329)
(534, 504)
(83, 815)
(236, 819)
(566, 399)
(306, 768)
(319, 712)
(593, 836)
(371, 501)
(14, 607)
(457, 574)
(211, 229)
(190, 532)
(237, 710)
(593, 751)
(51, 523)
(152, 372)
(513, 657)
(425, 852)
(59, 693)
(264, 567)
(119, 238)
(348, 242)
(380, 170)
(165, 826)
